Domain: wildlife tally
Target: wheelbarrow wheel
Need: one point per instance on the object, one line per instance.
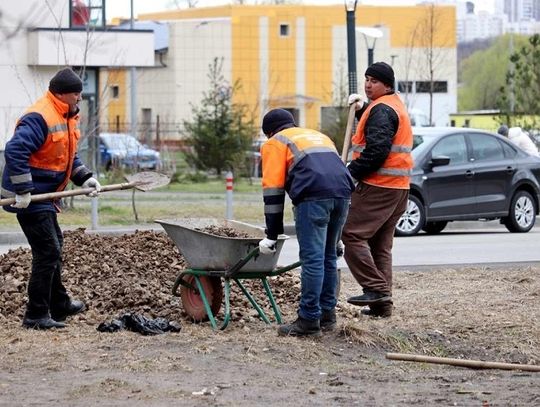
(192, 301)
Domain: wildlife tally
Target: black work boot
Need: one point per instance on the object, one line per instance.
(42, 323)
(301, 327)
(74, 307)
(328, 320)
(378, 310)
(369, 298)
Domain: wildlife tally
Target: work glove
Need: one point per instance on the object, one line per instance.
(92, 183)
(356, 98)
(340, 249)
(22, 201)
(267, 246)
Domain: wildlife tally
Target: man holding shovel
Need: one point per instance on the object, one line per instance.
(381, 164)
(305, 164)
(41, 157)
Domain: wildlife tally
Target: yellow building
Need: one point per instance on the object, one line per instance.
(295, 57)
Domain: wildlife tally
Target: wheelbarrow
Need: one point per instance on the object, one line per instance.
(212, 258)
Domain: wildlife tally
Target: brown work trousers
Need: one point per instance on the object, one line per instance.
(368, 234)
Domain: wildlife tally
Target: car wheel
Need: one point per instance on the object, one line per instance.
(522, 213)
(433, 228)
(413, 219)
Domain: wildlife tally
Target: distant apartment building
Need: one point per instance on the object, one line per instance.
(509, 16)
(291, 56)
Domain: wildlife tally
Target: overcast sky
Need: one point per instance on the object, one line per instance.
(121, 8)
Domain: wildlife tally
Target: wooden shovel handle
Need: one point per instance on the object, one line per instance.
(475, 364)
(348, 133)
(71, 192)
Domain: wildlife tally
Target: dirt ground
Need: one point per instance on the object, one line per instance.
(490, 314)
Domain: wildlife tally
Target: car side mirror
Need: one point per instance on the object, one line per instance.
(439, 160)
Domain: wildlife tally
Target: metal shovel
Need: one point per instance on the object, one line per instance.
(143, 181)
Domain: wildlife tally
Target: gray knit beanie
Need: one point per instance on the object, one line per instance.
(65, 81)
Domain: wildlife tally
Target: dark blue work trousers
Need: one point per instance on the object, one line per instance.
(46, 293)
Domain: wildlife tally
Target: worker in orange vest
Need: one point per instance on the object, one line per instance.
(381, 165)
(304, 163)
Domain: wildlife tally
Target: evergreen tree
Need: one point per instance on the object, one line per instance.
(222, 131)
(521, 93)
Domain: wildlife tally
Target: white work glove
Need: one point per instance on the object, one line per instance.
(22, 201)
(267, 246)
(355, 98)
(340, 249)
(92, 183)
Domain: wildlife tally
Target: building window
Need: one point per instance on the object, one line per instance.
(115, 91)
(438, 87)
(284, 30)
(87, 13)
(405, 86)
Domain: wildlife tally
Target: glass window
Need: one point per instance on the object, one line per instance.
(453, 147)
(486, 148)
(509, 151)
(438, 87)
(405, 86)
(284, 30)
(86, 13)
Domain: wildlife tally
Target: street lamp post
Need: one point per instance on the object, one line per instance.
(370, 35)
(350, 7)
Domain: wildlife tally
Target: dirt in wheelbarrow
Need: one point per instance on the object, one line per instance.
(480, 313)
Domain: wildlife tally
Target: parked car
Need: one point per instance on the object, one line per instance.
(122, 150)
(467, 174)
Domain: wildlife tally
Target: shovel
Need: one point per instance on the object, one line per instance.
(143, 181)
(348, 133)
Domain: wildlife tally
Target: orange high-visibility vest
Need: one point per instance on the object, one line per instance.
(60, 146)
(396, 169)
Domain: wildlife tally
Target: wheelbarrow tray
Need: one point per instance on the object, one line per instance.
(205, 251)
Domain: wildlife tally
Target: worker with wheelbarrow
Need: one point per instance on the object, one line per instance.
(305, 164)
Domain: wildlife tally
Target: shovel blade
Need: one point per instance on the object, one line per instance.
(148, 180)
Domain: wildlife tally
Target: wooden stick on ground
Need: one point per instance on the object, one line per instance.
(474, 364)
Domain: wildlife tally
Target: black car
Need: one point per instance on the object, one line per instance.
(469, 174)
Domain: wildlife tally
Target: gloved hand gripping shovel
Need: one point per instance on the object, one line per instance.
(143, 181)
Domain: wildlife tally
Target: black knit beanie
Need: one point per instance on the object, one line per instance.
(65, 81)
(276, 120)
(383, 72)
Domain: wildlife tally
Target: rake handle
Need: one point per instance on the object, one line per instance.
(72, 192)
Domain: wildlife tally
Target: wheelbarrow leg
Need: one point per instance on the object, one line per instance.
(227, 315)
(205, 303)
(272, 300)
(252, 301)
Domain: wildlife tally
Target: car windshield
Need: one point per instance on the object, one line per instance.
(122, 142)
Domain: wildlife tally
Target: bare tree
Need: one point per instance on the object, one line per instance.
(432, 42)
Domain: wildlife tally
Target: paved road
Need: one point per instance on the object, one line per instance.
(487, 243)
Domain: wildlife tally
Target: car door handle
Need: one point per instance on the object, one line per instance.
(510, 169)
(469, 174)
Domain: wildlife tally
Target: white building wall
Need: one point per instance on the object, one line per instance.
(22, 84)
(28, 59)
(407, 65)
(170, 91)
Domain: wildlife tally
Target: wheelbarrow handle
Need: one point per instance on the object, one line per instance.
(241, 263)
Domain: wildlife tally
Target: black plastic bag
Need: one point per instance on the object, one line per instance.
(139, 323)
